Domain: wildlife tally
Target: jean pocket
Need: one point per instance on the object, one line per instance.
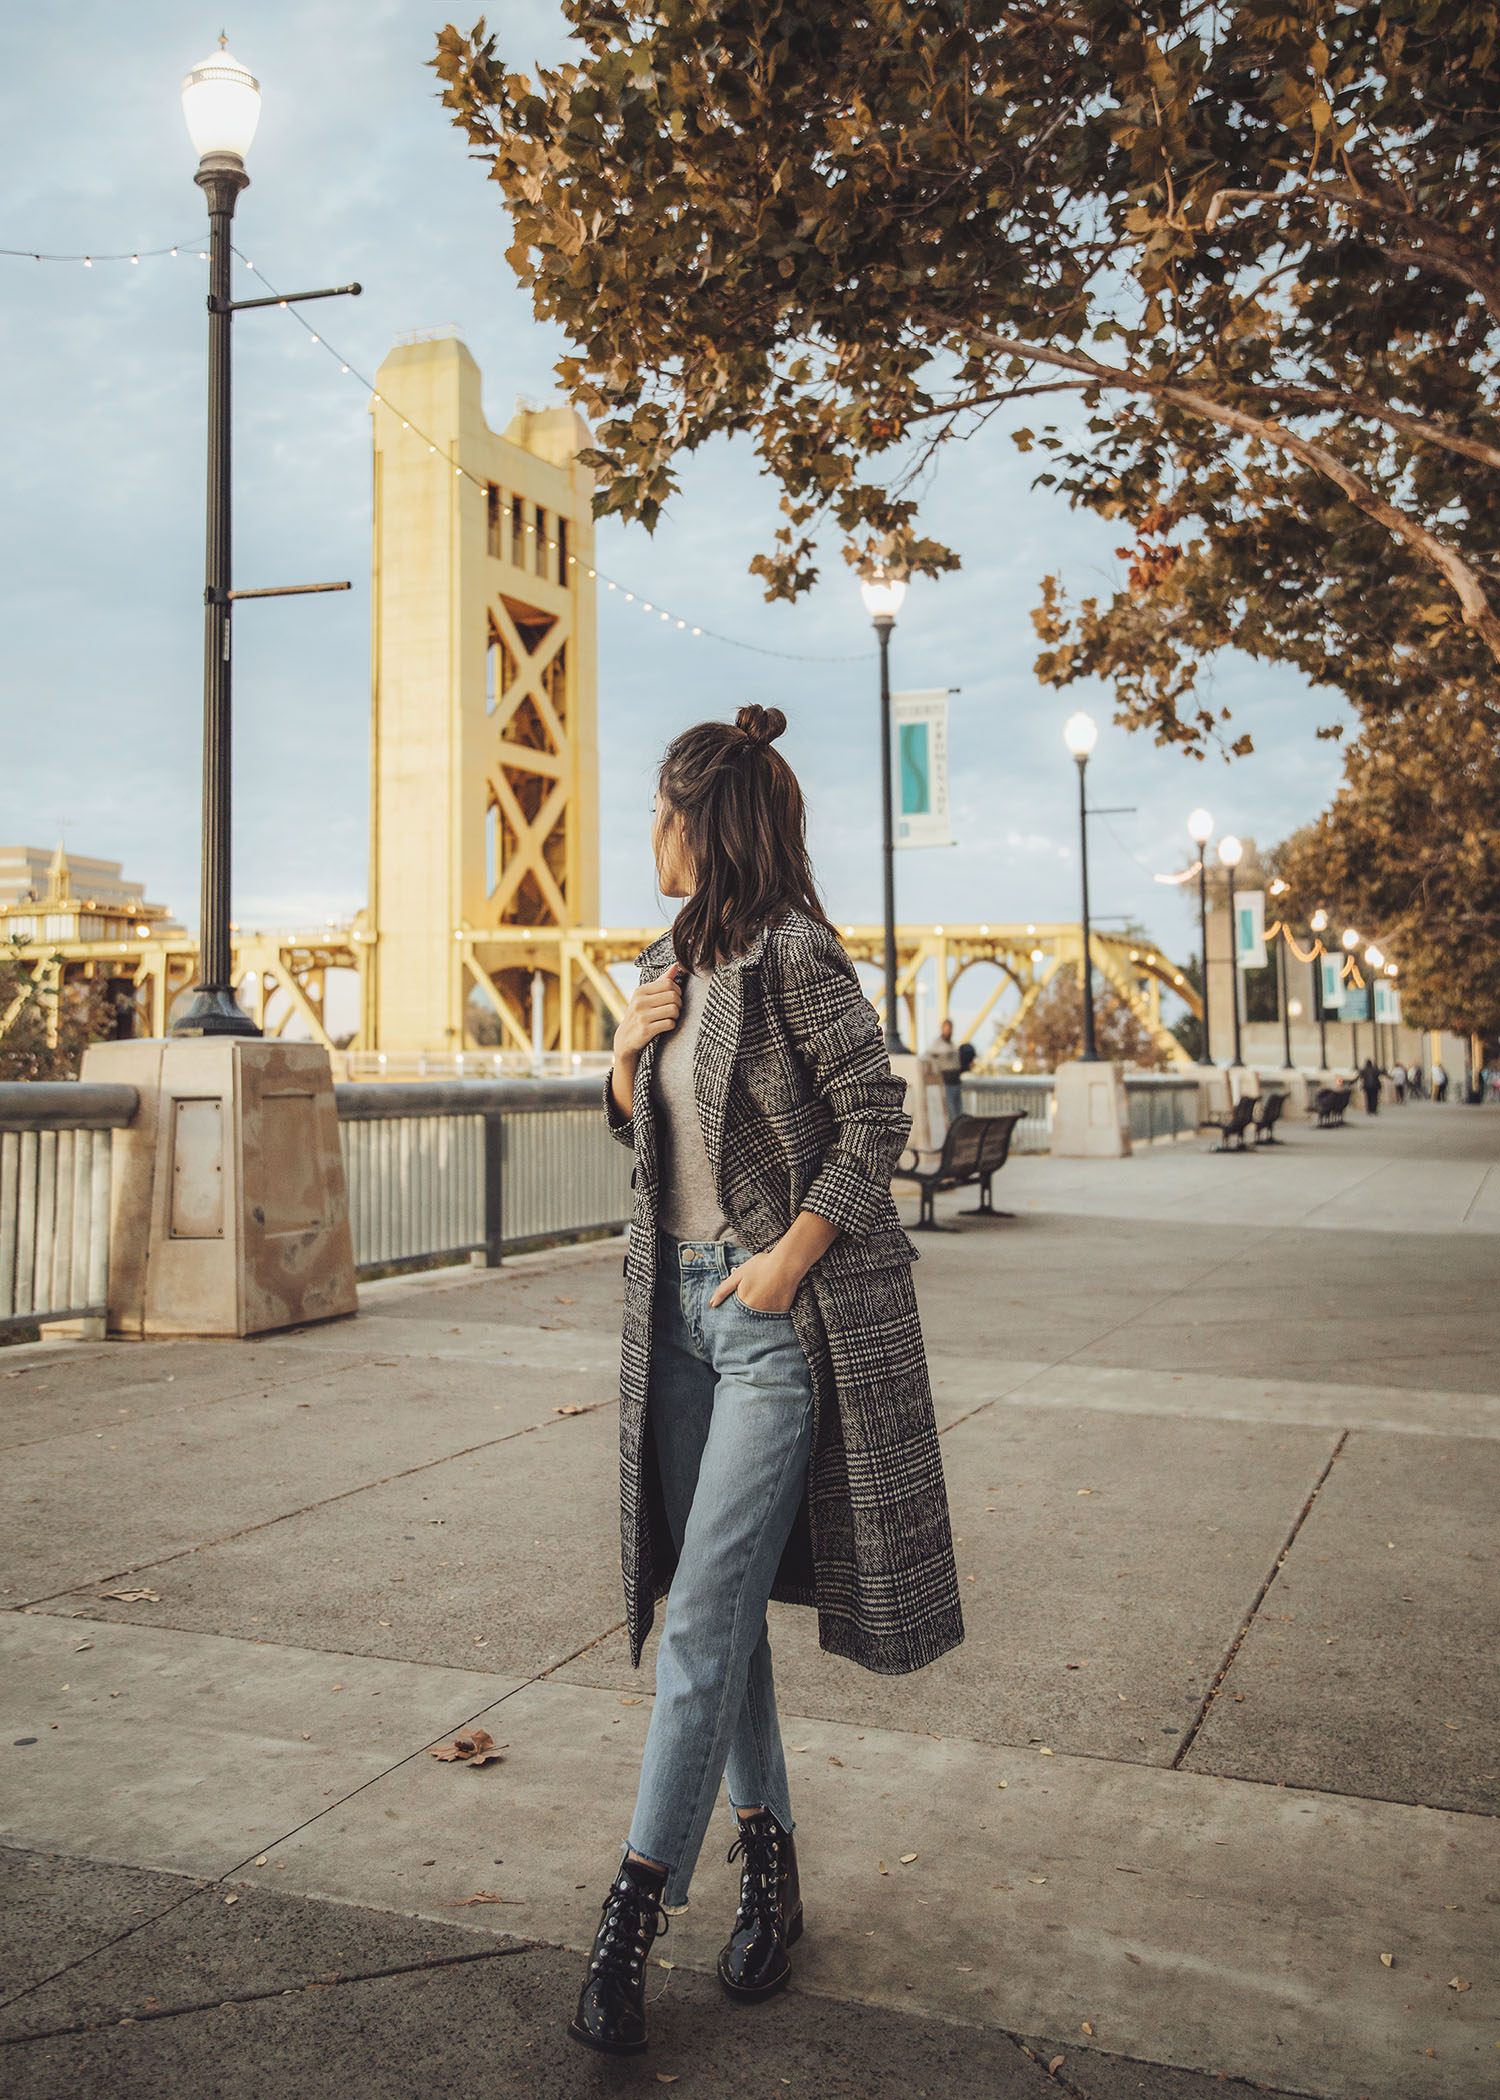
(757, 1312)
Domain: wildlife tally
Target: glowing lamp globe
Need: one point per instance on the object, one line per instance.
(1231, 852)
(1351, 939)
(1080, 734)
(882, 595)
(221, 102)
(1200, 827)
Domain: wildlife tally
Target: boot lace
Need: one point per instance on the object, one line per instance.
(630, 1919)
(758, 1847)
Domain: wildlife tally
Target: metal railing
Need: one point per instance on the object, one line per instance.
(468, 1065)
(1163, 1105)
(477, 1168)
(1027, 1094)
(54, 1200)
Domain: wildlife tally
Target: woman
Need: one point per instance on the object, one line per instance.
(773, 1381)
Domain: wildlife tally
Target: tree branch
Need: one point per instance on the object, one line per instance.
(1376, 410)
(1464, 580)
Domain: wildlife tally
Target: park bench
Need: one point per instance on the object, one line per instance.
(1330, 1103)
(1232, 1123)
(1267, 1116)
(974, 1150)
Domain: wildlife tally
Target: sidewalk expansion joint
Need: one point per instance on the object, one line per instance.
(1256, 1602)
(285, 1516)
(291, 1990)
(266, 1385)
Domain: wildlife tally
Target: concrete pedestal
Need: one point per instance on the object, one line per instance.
(228, 1212)
(1093, 1115)
(926, 1102)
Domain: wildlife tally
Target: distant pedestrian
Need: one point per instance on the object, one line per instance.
(1398, 1081)
(1414, 1082)
(776, 1421)
(1439, 1081)
(948, 1056)
(1369, 1080)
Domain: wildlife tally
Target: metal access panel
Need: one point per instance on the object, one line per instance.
(197, 1169)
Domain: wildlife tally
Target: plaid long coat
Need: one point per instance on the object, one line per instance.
(800, 1110)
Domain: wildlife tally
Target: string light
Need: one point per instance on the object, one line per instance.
(137, 255)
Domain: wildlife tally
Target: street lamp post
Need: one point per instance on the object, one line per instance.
(1351, 942)
(1080, 734)
(883, 594)
(1200, 830)
(1319, 922)
(221, 103)
(1375, 962)
(1279, 889)
(1230, 852)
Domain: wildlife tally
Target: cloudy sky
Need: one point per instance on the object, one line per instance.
(357, 174)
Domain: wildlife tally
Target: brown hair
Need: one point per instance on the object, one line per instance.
(744, 830)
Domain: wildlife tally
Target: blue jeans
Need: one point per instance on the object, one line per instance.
(731, 1418)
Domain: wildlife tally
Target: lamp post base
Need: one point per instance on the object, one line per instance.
(214, 1011)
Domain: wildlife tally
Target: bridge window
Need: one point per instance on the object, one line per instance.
(491, 850)
(517, 531)
(562, 550)
(496, 518)
(540, 559)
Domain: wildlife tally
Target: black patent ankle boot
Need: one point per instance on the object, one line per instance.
(611, 2013)
(769, 1920)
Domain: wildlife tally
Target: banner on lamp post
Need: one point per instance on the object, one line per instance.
(1250, 929)
(1387, 1003)
(921, 759)
(1331, 982)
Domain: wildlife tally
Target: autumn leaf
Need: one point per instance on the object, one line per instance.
(572, 1408)
(480, 1896)
(1387, 1961)
(907, 1858)
(134, 1596)
(477, 1747)
(1056, 2064)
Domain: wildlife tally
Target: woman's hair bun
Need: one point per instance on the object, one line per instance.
(761, 724)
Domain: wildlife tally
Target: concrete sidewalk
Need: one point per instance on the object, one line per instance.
(1223, 1445)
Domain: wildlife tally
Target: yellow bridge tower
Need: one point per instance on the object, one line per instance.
(484, 769)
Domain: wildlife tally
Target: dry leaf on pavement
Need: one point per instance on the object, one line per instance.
(570, 1409)
(1056, 2064)
(1456, 1983)
(884, 1869)
(477, 1747)
(134, 1596)
(480, 1896)
(907, 1858)
(1387, 1961)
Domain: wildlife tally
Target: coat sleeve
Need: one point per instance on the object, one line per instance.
(837, 1035)
(621, 1127)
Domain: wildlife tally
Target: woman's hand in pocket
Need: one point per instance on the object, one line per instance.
(765, 1283)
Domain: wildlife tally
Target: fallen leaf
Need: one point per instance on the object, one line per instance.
(630, 1702)
(480, 1896)
(666, 1964)
(1387, 1961)
(1002, 1782)
(261, 1861)
(1036, 1880)
(78, 1650)
(881, 1865)
(1456, 1983)
(667, 2077)
(476, 1748)
(1084, 1491)
(134, 1596)
(572, 1408)
(837, 1761)
(231, 1899)
(1056, 2064)
(565, 1301)
(1085, 2026)
(907, 1858)
(1044, 1751)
